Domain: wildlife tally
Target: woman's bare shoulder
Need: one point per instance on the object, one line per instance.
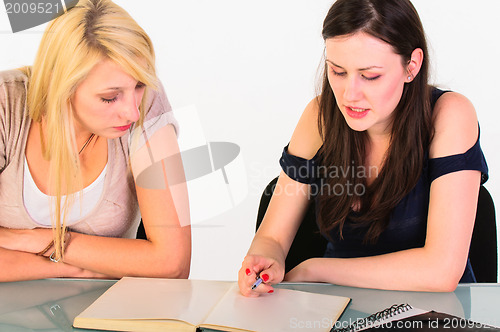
(306, 139)
(455, 124)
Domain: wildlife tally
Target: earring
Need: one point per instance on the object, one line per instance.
(410, 78)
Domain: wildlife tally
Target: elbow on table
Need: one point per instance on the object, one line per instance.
(167, 270)
(442, 284)
(439, 270)
(177, 274)
(163, 264)
(443, 280)
(174, 267)
(180, 272)
(170, 263)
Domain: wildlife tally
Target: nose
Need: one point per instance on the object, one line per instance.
(352, 89)
(130, 110)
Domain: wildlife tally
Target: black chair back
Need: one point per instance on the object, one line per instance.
(483, 252)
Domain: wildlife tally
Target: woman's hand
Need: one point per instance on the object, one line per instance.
(27, 240)
(253, 267)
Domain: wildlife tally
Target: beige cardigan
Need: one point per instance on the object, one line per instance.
(116, 213)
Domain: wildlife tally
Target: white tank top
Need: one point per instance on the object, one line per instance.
(38, 204)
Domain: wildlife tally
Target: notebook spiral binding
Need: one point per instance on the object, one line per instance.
(392, 311)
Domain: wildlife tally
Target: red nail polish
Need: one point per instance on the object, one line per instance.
(271, 291)
(248, 272)
(265, 277)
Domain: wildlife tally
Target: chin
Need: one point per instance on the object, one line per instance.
(113, 134)
(118, 135)
(357, 125)
(357, 128)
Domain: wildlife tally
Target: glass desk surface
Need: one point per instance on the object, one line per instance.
(51, 304)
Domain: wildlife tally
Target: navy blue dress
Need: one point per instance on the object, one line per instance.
(408, 221)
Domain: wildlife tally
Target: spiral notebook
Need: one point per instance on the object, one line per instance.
(393, 313)
(403, 317)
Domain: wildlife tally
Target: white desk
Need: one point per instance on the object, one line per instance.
(50, 305)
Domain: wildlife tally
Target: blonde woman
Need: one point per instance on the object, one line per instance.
(70, 199)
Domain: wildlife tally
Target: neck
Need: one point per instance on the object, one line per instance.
(379, 138)
(87, 142)
(83, 137)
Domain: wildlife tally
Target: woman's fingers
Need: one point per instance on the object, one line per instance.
(257, 274)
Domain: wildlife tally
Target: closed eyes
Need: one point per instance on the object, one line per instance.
(343, 74)
(139, 86)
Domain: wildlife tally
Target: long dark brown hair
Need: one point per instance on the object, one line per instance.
(397, 23)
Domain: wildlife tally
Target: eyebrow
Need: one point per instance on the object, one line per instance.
(360, 69)
(112, 88)
(118, 88)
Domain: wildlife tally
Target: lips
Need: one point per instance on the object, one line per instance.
(355, 112)
(123, 128)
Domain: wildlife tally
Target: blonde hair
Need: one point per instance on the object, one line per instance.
(71, 46)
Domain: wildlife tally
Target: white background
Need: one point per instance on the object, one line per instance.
(250, 67)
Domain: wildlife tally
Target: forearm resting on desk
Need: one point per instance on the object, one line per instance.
(168, 257)
(167, 254)
(407, 270)
(18, 265)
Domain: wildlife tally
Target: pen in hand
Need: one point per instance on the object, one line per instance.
(257, 283)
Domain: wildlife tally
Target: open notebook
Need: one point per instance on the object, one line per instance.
(145, 304)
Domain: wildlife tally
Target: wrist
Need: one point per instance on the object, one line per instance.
(56, 256)
(308, 270)
(41, 240)
(304, 272)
